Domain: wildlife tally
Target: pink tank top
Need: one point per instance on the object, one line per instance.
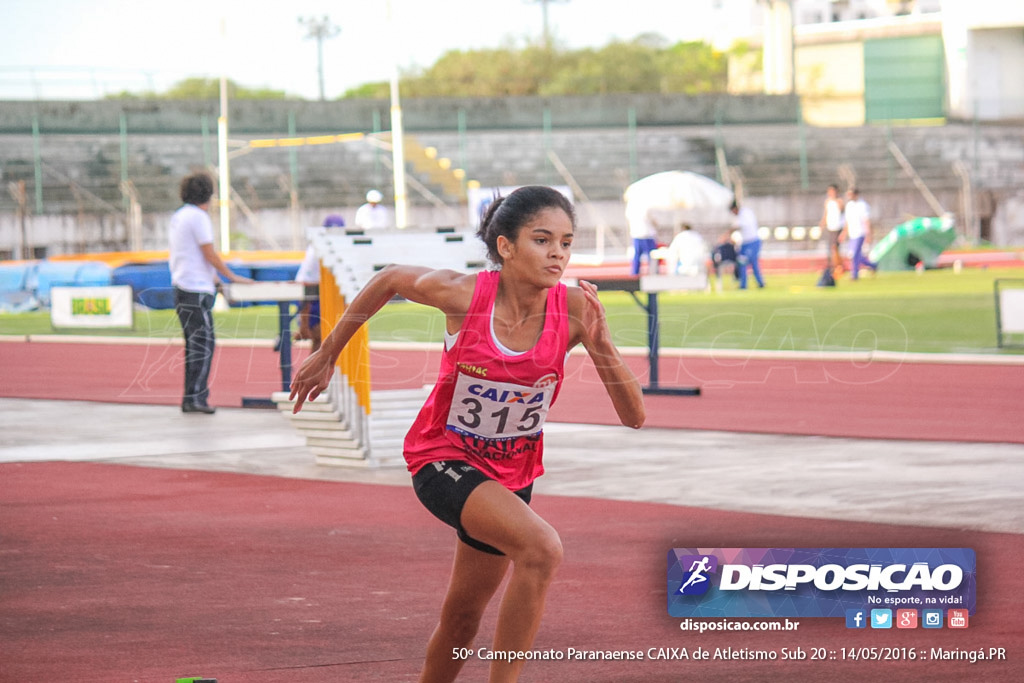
(488, 408)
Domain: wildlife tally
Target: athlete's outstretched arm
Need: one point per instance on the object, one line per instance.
(590, 327)
(445, 290)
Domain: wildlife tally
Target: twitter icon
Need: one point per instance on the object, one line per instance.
(881, 618)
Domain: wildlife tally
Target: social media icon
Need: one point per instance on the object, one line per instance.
(881, 618)
(931, 618)
(906, 618)
(958, 618)
(856, 618)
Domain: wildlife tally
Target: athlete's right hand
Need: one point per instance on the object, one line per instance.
(312, 379)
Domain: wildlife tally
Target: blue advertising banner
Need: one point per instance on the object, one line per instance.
(818, 582)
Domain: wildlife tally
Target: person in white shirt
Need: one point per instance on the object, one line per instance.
(688, 253)
(857, 231)
(750, 245)
(832, 221)
(644, 233)
(194, 265)
(373, 215)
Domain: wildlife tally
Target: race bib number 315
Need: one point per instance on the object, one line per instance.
(498, 410)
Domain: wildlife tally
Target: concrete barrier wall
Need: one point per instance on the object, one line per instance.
(273, 116)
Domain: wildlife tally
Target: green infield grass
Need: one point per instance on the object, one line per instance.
(938, 311)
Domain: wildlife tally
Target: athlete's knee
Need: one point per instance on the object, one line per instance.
(461, 623)
(542, 555)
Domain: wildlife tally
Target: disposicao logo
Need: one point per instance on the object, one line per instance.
(818, 582)
(696, 580)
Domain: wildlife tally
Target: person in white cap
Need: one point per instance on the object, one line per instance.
(373, 214)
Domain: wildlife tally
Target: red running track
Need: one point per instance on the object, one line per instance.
(923, 401)
(114, 573)
(121, 573)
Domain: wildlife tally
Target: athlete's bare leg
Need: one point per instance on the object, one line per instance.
(475, 577)
(496, 516)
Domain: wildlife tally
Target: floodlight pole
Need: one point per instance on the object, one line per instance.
(397, 133)
(544, 10)
(224, 191)
(321, 30)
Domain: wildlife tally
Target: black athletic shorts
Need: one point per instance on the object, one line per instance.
(444, 487)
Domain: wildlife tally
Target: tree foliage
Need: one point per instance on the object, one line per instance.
(206, 89)
(645, 64)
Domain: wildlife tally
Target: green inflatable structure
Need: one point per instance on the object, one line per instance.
(918, 240)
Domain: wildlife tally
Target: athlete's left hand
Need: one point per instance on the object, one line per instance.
(619, 381)
(594, 322)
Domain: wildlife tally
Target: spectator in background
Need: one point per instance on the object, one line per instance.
(373, 215)
(687, 254)
(194, 266)
(750, 243)
(832, 221)
(644, 233)
(857, 231)
(309, 274)
(724, 256)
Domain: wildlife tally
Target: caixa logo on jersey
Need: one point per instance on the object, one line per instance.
(816, 582)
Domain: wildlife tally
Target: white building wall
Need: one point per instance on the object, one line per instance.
(996, 73)
(984, 44)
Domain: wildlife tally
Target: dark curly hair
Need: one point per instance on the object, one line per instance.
(507, 215)
(196, 188)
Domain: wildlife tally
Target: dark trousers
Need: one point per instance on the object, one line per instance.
(750, 255)
(194, 311)
(858, 258)
(642, 246)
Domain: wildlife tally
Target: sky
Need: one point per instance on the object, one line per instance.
(84, 49)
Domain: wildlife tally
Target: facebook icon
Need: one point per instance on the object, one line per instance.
(856, 618)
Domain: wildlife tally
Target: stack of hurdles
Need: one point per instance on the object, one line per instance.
(350, 424)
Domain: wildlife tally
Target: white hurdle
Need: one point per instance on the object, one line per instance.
(340, 427)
